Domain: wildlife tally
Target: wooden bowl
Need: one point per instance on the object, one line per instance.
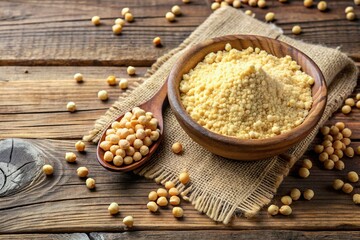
(245, 149)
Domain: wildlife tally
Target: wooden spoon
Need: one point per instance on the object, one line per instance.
(154, 105)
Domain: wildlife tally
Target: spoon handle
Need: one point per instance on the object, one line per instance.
(155, 104)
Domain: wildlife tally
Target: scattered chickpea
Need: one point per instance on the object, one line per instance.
(162, 201)
(286, 200)
(215, 5)
(308, 3)
(285, 210)
(111, 80)
(95, 20)
(338, 184)
(82, 172)
(128, 221)
(152, 196)
(161, 192)
(296, 30)
(178, 212)
(339, 165)
(174, 200)
(176, 147)
(103, 95)
(339, 153)
(152, 206)
(334, 130)
(78, 77)
(249, 13)
(346, 109)
(304, 172)
(48, 169)
(125, 11)
(357, 2)
(350, 16)
(157, 41)
(308, 194)
(169, 185)
(340, 125)
(70, 157)
(350, 101)
(236, 4)
(358, 150)
(349, 151)
(334, 158)
(252, 3)
(119, 21)
(323, 157)
(71, 106)
(353, 176)
(173, 191)
(357, 104)
(90, 183)
(329, 150)
(346, 132)
(184, 177)
(325, 130)
(80, 146)
(170, 16)
(261, 3)
(131, 70)
(347, 188)
(329, 164)
(123, 84)
(356, 198)
(318, 149)
(223, 4)
(337, 145)
(273, 210)
(269, 17)
(116, 29)
(322, 6)
(113, 208)
(295, 194)
(186, 1)
(129, 17)
(328, 137)
(176, 10)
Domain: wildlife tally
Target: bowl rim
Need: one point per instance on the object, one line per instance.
(293, 134)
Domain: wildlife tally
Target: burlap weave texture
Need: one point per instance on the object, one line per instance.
(220, 187)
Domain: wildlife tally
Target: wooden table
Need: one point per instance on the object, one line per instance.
(43, 43)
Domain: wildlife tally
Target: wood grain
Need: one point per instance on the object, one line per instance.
(64, 236)
(70, 39)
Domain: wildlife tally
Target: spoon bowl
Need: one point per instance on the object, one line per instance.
(154, 105)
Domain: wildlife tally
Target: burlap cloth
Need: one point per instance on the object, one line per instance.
(220, 187)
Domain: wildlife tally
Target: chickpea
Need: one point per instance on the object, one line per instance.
(82, 172)
(152, 196)
(322, 6)
(130, 151)
(350, 16)
(90, 183)
(261, 3)
(347, 188)
(349, 151)
(329, 150)
(71, 106)
(125, 11)
(346, 109)
(307, 163)
(249, 13)
(152, 206)
(129, 17)
(358, 104)
(308, 194)
(269, 17)
(327, 143)
(173, 191)
(176, 10)
(128, 160)
(186, 1)
(169, 185)
(114, 148)
(252, 3)
(318, 149)
(138, 143)
(111, 80)
(285, 210)
(157, 41)
(184, 177)
(296, 30)
(308, 3)
(121, 153)
(170, 16)
(144, 150)
(323, 157)
(337, 184)
(334, 130)
(162, 201)
(118, 160)
(358, 150)
(48, 169)
(273, 210)
(329, 164)
(108, 156)
(353, 176)
(161, 192)
(223, 4)
(131, 70)
(337, 145)
(105, 145)
(340, 125)
(119, 21)
(356, 198)
(124, 144)
(80, 146)
(339, 165)
(78, 77)
(137, 156)
(334, 158)
(174, 200)
(295, 194)
(117, 29)
(154, 135)
(128, 221)
(178, 212)
(328, 138)
(346, 133)
(176, 147)
(140, 134)
(286, 200)
(147, 141)
(103, 95)
(95, 20)
(70, 157)
(236, 4)
(113, 208)
(123, 83)
(304, 172)
(325, 130)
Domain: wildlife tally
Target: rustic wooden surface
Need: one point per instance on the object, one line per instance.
(52, 39)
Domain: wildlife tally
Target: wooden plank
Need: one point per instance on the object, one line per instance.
(70, 39)
(246, 235)
(65, 236)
